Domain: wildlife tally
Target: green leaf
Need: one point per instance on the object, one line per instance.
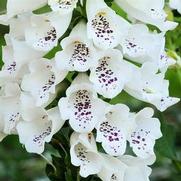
(174, 77)
(2, 42)
(3, 6)
(165, 146)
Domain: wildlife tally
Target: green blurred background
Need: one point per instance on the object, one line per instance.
(18, 165)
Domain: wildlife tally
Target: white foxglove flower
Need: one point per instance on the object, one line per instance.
(42, 80)
(63, 6)
(46, 29)
(110, 74)
(149, 86)
(148, 11)
(114, 130)
(136, 168)
(175, 4)
(78, 53)
(9, 109)
(105, 27)
(33, 134)
(113, 169)
(147, 130)
(81, 107)
(84, 153)
(15, 7)
(16, 55)
(141, 45)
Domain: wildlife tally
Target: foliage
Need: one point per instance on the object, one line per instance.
(16, 164)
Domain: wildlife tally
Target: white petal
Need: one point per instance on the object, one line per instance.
(141, 45)
(149, 11)
(165, 61)
(111, 73)
(35, 133)
(10, 111)
(78, 53)
(45, 30)
(42, 80)
(143, 138)
(113, 131)
(113, 169)
(15, 7)
(86, 157)
(82, 104)
(63, 6)
(164, 102)
(16, 55)
(136, 167)
(175, 4)
(149, 86)
(104, 24)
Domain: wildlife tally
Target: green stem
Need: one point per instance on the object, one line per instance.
(78, 175)
(48, 161)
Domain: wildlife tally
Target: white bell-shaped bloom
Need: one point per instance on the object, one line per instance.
(113, 169)
(46, 29)
(147, 130)
(62, 6)
(175, 4)
(16, 55)
(110, 74)
(9, 109)
(78, 53)
(84, 153)
(136, 168)
(141, 45)
(105, 27)
(149, 86)
(15, 7)
(81, 107)
(33, 134)
(148, 11)
(42, 80)
(114, 129)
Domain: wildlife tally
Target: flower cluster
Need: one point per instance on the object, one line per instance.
(109, 54)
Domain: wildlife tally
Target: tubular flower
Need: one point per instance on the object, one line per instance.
(138, 167)
(147, 130)
(149, 86)
(81, 106)
(141, 45)
(110, 74)
(148, 11)
(16, 55)
(113, 169)
(104, 25)
(42, 80)
(114, 130)
(84, 153)
(78, 53)
(10, 111)
(33, 134)
(46, 29)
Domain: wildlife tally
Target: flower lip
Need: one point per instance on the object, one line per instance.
(62, 6)
(78, 53)
(80, 105)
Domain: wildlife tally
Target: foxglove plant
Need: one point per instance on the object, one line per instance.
(63, 67)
